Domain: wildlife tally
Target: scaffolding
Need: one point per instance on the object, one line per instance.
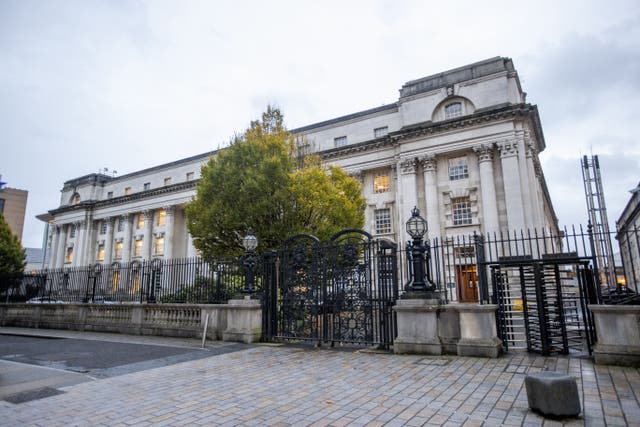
(597, 210)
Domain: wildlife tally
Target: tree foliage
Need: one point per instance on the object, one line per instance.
(255, 183)
(12, 256)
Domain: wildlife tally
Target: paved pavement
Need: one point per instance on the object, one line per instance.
(282, 385)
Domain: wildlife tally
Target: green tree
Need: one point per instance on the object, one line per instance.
(11, 257)
(255, 183)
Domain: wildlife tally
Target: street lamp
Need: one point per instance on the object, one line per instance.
(419, 254)
(156, 265)
(250, 243)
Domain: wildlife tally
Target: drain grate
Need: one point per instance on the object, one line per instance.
(433, 362)
(28, 396)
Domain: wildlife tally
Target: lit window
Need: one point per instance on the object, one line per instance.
(110, 195)
(167, 181)
(464, 252)
(380, 132)
(127, 191)
(458, 168)
(162, 218)
(118, 250)
(69, 256)
(140, 222)
(158, 247)
(135, 281)
(72, 231)
(121, 224)
(461, 210)
(381, 183)
(115, 279)
(137, 248)
(100, 256)
(190, 176)
(340, 141)
(453, 110)
(147, 186)
(383, 220)
(103, 227)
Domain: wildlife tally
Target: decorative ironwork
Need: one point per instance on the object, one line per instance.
(331, 292)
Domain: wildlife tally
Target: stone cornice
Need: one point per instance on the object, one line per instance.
(94, 204)
(518, 111)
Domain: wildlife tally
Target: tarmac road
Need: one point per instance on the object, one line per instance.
(33, 367)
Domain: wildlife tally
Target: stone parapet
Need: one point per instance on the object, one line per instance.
(244, 321)
(618, 333)
(427, 327)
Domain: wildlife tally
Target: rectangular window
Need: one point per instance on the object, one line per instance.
(121, 224)
(167, 181)
(140, 221)
(162, 218)
(383, 221)
(127, 191)
(458, 168)
(464, 252)
(118, 250)
(147, 186)
(103, 227)
(100, 256)
(381, 183)
(190, 176)
(137, 248)
(1, 205)
(69, 256)
(72, 231)
(158, 247)
(110, 195)
(340, 141)
(453, 110)
(461, 210)
(380, 132)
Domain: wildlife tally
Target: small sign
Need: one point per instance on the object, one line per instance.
(517, 304)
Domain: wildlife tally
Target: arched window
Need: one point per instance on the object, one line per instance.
(453, 110)
(75, 199)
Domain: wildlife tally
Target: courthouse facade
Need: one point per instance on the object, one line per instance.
(461, 145)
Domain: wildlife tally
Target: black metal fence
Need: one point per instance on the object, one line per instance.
(189, 280)
(458, 266)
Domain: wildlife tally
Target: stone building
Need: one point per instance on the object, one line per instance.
(461, 145)
(13, 205)
(628, 236)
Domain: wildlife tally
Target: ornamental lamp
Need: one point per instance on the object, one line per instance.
(416, 225)
(250, 241)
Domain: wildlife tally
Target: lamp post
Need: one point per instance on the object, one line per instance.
(97, 269)
(250, 243)
(156, 265)
(420, 282)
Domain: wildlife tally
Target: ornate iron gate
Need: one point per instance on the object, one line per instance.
(339, 292)
(543, 304)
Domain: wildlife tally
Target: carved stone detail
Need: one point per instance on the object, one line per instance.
(408, 165)
(358, 175)
(508, 148)
(484, 152)
(429, 163)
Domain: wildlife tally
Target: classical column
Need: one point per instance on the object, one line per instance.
(512, 186)
(169, 228)
(126, 244)
(532, 175)
(62, 246)
(108, 241)
(53, 250)
(408, 169)
(191, 249)
(147, 245)
(429, 168)
(79, 246)
(487, 188)
(525, 188)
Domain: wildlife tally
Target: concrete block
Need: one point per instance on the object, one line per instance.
(553, 394)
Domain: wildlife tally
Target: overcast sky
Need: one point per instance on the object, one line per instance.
(127, 85)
